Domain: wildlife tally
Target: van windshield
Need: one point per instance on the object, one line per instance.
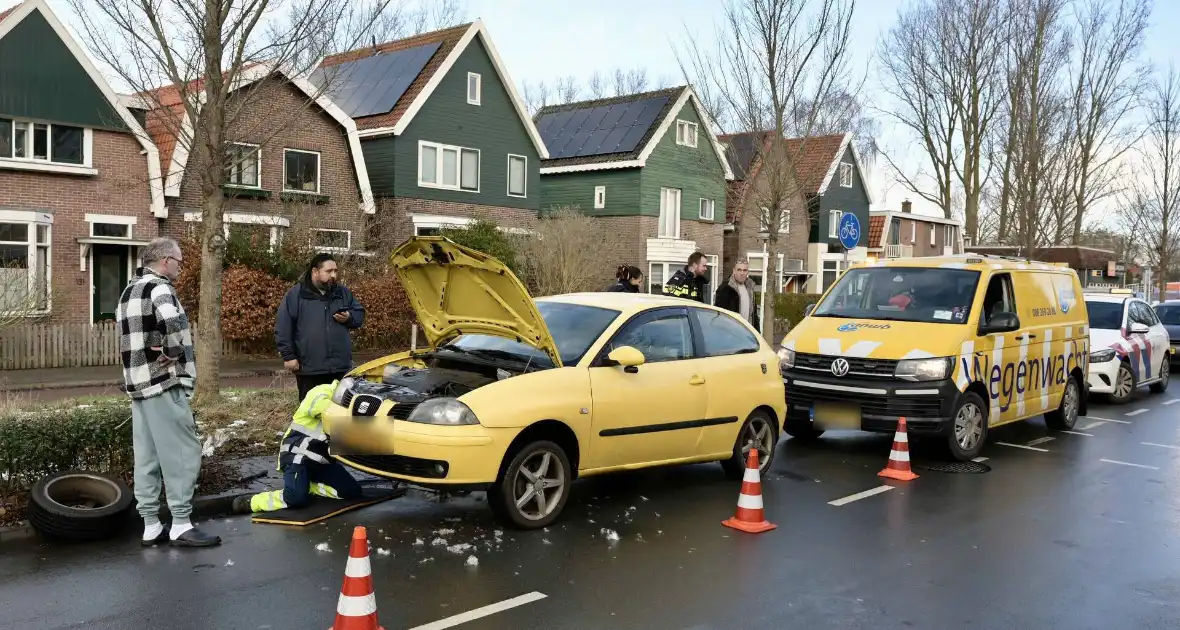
(909, 294)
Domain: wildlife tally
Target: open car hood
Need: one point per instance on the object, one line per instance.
(456, 290)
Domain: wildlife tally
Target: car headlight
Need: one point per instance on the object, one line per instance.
(342, 388)
(923, 369)
(786, 358)
(1102, 356)
(443, 411)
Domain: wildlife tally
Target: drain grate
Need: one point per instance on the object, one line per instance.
(953, 467)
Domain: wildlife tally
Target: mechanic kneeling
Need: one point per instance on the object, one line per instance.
(303, 458)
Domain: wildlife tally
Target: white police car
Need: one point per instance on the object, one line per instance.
(1128, 346)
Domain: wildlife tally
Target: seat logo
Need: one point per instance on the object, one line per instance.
(363, 407)
(840, 367)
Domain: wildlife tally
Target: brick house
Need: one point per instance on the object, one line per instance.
(908, 235)
(80, 186)
(830, 182)
(444, 133)
(649, 167)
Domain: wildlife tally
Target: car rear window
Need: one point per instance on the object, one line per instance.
(1169, 315)
(1105, 315)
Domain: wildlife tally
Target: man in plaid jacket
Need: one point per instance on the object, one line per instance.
(159, 372)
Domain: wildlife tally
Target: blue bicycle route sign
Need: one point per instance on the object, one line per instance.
(849, 230)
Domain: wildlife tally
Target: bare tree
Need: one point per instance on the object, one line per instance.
(1151, 211)
(565, 253)
(535, 96)
(596, 85)
(776, 69)
(206, 55)
(567, 90)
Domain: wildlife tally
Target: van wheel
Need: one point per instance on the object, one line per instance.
(1066, 415)
(79, 505)
(1124, 384)
(967, 432)
(534, 487)
(1165, 376)
(802, 430)
(757, 433)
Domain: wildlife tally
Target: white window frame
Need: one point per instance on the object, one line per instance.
(599, 197)
(438, 166)
(34, 221)
(478, 88)
(257, 166)
(714, 276)
(275, 222)
(707, 203)
(324, 248)
(113, 219)
(665, 202)
(948, 233)
(525, 160)
(683, 138)
(319, 170)
(933, 234)
(834, 217)
(845, 175)
(913, 232)
(784, 221)
(30, 163)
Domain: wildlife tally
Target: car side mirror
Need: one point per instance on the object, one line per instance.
(1139, 328)
(628, 357)
(1002, 322)
(807, 309)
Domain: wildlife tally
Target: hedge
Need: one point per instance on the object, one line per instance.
(789, 307)
(93, 436)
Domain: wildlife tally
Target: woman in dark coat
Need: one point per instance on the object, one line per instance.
(628, 280)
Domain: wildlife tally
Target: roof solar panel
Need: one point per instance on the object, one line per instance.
(610, 144)
(593, 145)
(613, 114)
(374, 84)
(615, 128)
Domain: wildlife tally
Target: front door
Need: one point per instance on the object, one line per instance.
(998, 353)
(655, 413)
(109, 275)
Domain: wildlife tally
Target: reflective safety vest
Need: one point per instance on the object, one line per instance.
(305, 440)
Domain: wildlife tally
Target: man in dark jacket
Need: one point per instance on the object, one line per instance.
(313, 324)
(737, 295)
(689, 282)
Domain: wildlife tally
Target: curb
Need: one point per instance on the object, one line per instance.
(119, 382)
(17, 532)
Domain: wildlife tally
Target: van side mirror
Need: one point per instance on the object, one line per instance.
(1001, 323)
(807, 309)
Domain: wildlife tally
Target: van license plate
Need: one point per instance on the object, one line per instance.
(836, 416)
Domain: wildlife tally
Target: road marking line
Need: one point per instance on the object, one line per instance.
(1078, 433)
(1109, 420)
(479, 613)
(1172, 401)
(1136, 412)
(860, 495)
(1160, 445)
(1091, 425)
(1115, 461)
(979, 460)
(1031, 448)
(1040, 440)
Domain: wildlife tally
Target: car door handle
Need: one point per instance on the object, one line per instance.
(696, 380)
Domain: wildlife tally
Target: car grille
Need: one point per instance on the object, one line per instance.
(877, 368)
(870, 404)
(401, 465)
(401, 411)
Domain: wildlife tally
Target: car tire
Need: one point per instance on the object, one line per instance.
(79, 505)
(757, 427)
(1066, 415)
(971, 412)
(1124, 372)
(513, 484)
(1165, 376)
(802, 430)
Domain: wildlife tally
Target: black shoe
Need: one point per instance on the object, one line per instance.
(242, 505)
(196, 538)
(158, 540)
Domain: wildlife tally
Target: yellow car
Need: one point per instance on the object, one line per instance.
(520, 397)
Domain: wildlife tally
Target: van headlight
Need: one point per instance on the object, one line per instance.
(342, 388)
(1102, 356)
(443, 411)
(923, 369)
(786, 358)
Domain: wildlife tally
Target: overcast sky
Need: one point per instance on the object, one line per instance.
(545, 39)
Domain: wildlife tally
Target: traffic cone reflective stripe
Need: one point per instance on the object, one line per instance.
(898, 466)
(357, 607)
(750, 516)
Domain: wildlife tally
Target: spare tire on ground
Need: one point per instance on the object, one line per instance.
(79, 505)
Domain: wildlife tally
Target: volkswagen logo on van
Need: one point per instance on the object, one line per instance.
(840, 367)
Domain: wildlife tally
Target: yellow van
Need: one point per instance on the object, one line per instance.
(954, 344)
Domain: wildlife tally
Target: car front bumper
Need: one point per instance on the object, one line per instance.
(927, 407)
(1101, 376)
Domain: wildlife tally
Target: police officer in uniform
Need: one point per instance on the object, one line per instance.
(689, 282)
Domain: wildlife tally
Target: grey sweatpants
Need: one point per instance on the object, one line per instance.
(165, 438)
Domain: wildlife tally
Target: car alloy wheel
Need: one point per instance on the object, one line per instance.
(1070, 408)
(968, 426)
(538, 485)
(759, 434)
(1165, 377)
(1124, 383)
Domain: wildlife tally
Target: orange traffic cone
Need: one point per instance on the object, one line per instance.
(899, 458)
(749, 516)
(357, 608)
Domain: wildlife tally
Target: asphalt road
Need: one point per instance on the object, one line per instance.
(1075, 531)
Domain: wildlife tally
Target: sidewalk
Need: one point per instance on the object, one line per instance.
(112, 375)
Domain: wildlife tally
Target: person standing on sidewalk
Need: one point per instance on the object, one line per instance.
(689, 282)
(159, 372)
(737, 294)
(313, 324)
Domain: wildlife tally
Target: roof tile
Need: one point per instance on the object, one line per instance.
(4, 13)
(876, 231)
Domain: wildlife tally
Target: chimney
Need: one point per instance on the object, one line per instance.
(906, 206)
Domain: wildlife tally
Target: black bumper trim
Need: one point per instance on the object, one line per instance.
(927, 407)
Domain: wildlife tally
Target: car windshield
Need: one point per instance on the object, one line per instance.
(1169, 314)
(909, 294)
(1105, 315)
(573, 327)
